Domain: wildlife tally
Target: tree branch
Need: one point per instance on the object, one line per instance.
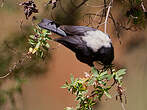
(107, 15)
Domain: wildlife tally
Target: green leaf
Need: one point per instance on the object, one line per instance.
(99, 87)
(94, 71)
(47, 45)
(41, 54)
(35, 30)
(44, 31)
(37, 45)
(49, 33)
(103, 75)
(110, 76)
(31, 41)
(36, 48)
(64, 86)
(91, 81)
(107, 94)
(37, 27)
(48, 38)
(102, 82)
(45, 48)
(32, 36)
(100, 95)
(121, 72)
(72, 78)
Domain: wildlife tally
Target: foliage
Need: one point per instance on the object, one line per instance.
(8, 94)
(21, 64)
(96, 84)
(98, 81)
(135, 13)
(39, 42)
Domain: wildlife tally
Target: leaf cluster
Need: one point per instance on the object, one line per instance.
(39, 42)
(135, 13)
(90, 89)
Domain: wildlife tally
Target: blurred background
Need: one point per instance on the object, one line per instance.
(35, 85)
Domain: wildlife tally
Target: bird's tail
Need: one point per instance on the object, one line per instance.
(52, 26)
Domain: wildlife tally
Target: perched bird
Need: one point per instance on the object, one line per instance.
(87, 43)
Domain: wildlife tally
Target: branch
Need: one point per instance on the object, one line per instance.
(97, 6)
(76, 7)
(95, 85)
(107, 15)
(142, 5)
(81, 4)
(123, 107)
(19, 62)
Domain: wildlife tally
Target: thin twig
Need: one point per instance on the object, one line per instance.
(73, 3)
(81, 4)
(2, 3)
(60, 3)
(98, 12)
(98, 6)
(19, 62)
(116, 27)
(107, 15)
(11, 48)
(123, 107)
(2, 77)
(103, 14)
(105, 5)
(142, 5)
(76, 7)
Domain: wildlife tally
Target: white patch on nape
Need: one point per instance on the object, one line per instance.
(96, 39)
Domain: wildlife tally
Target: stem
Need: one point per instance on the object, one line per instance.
(123, 107)
(19, 62)
(107, 15)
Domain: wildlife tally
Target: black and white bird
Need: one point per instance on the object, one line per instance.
(87, 43)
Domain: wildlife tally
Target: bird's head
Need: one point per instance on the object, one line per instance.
(105, 55)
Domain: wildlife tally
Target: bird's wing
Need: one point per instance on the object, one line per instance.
(76, 30)
(74, 43)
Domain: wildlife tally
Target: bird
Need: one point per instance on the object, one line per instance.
(88, 44)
